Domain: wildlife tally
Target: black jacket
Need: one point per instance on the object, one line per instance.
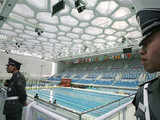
(15, 87)
(153, 98)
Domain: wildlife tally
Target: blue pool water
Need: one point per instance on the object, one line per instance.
(77, 100)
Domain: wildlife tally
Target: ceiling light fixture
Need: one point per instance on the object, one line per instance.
(57, 7)
(80, 5)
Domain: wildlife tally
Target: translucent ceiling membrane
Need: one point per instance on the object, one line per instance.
(93, 30)
(49, 35)
(72, 35)
(68, 20)
(6, 26)
(84, 16)
(120, 25)
(111, 38)
(23, 10)
(133, 21)
(102, 21)
(16, 25)
(91, 3)
(7, 32)
(77, 30)
(64, 28)
(109, 31)
(46, 17)
(40, 4)
(134, 34)
(69, 33)
(49, 28)
(30, 32)
(87, 37)
(121, 13)
(106, 7)
(99, 41)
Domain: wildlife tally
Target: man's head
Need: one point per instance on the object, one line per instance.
(13, 65)
(149, 20)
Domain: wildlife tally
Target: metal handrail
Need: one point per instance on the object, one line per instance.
(55, 105)
(109, 114)
(96, 108)
(76, 112)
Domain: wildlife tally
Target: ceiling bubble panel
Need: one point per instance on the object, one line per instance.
(133, 21)
(30, 28)
(102, 22)
(61, 33)
(120, 33)
(77, 41)
(106, 7)
(46, 17)
(66, 43)
(91, 3)
(49, 35)
(64, 28)
(32, 21)
(41, 39)
(101, 36)
(87, 42)
(16, 25)
(3, 37)
(120, 25)
(72, 35)
(6, 26)
(87, 37)
(21, 10)
(131, 29)
(30, 32)
(69, 20)
(18, 30)
(111, 44)
(109, 31)
(83, 24)
(93, 30)
(134, 34)
(49, 28)
(17, 17)
(7, 32)
(26, 36)
(122, 13)
(87, 15)
(64, 11)
(99, 41)
(63, 38)
(77, 30)
(111, 38)
(40, 4)
(71, 32)
(53, 41)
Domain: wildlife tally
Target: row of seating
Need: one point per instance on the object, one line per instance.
(116, 73)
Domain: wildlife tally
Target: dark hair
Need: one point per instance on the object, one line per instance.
(18, 67)
(155, 30)
(148, 39)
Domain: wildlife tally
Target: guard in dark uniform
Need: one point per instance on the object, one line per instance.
(16, 93)
(147, 99)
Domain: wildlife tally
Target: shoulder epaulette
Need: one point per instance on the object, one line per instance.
(148, 82)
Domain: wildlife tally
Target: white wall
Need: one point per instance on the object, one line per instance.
(32, 66)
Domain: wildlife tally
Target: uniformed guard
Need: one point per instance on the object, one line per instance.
(147, 99)
(16, 93)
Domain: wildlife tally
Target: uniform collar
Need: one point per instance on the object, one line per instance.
(154, 85)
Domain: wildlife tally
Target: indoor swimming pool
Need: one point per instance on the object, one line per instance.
(79, 100)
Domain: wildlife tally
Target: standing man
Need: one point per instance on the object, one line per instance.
(16, 93)
(147, 99)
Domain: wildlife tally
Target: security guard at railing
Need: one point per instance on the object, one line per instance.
(16, 93)
(147, 99)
